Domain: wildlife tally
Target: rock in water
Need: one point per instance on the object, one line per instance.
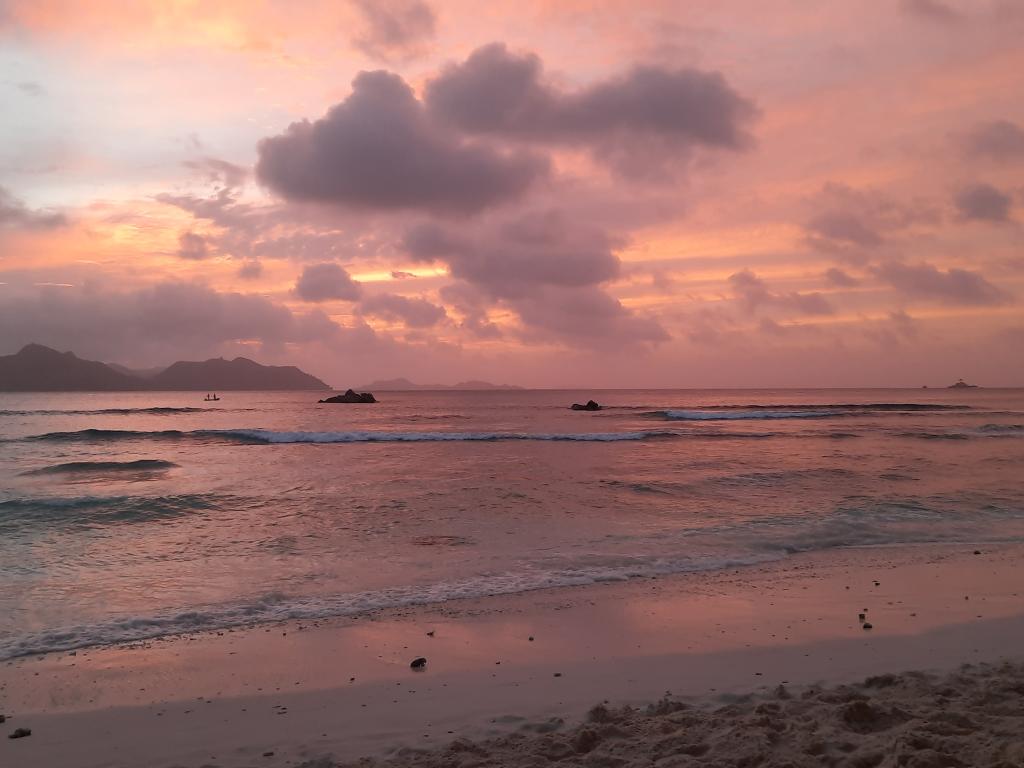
(419, 663)
(20, 733)
(351, 396)
(591, 405)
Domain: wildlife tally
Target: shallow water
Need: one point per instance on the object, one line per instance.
(142, 514)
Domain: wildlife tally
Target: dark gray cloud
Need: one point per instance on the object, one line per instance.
(649, 115)
(326, 282)
(952, 286)
(851, 221)
(16, 215)
(982, 202)
(192, 246)
(161, 323)
(413, 312)
(753, 294)
(932, 10)
(394, 29)
(545, 268)
(585, 315)
(250, 269)
(379, 150)
(844, 227)
(514, 257)
(471, 304)
(839, 277)
(998, 140)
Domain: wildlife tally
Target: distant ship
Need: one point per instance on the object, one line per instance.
(961, 384)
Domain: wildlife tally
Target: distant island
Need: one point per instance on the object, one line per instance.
(40, 369)
(403, 385)
(961, 384)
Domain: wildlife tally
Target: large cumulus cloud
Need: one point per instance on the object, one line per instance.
(982, 202)
(753, 294)
(851, 222)
(999, 140)
(378, 149)
(326, 282)
(413, 312)
(951, 286)
(515, 256)
(545, 267)
(649, 115)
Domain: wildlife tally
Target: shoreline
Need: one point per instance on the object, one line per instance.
(226, 697)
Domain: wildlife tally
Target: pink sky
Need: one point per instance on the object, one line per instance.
(728, 193)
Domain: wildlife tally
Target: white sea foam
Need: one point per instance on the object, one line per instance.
(278, 607)
(270, 436)
(729, 415)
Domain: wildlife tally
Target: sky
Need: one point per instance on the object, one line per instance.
(550, 193)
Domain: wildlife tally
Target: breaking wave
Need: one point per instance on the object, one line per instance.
(270, 437)
(109, 411)
(75, 467)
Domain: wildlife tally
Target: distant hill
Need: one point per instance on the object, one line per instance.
(138, 373)
(237, 374)
(40, 369)
(402, 385)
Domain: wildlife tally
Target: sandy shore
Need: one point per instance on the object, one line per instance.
(338, 690)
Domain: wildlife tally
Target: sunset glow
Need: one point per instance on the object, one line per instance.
(547, 193)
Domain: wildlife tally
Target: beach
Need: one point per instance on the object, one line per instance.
(295, 693)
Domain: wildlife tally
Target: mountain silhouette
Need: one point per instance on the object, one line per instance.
(40, 369)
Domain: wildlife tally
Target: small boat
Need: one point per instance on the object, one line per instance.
(961, 384)
(211, 398)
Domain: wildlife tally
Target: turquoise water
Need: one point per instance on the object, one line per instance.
(128, 516)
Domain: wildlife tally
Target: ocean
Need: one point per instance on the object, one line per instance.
(130, 516)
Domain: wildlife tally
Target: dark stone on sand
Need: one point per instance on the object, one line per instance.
(268, 754)
(977, 551)
(419, 663)
(860, 616)
(590, 405)
(351, 396)
(868, 625)
(20, 733)
(531, 638)
(558, 674)
(430, 633)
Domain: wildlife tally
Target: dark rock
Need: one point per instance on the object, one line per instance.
(419, 663)
(351, 396)
(860, 616)
(20, 733)
(977, 551)
(868, 625)
(430, 633)
(590, 406)
(268, 754)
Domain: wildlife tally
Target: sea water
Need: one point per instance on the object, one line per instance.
(136, 515)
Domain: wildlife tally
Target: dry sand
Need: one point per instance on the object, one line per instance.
(972, 718)
(334, 691)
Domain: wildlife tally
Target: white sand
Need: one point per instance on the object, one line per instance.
(226, 699)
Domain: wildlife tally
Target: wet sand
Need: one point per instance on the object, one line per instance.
(344, 688)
